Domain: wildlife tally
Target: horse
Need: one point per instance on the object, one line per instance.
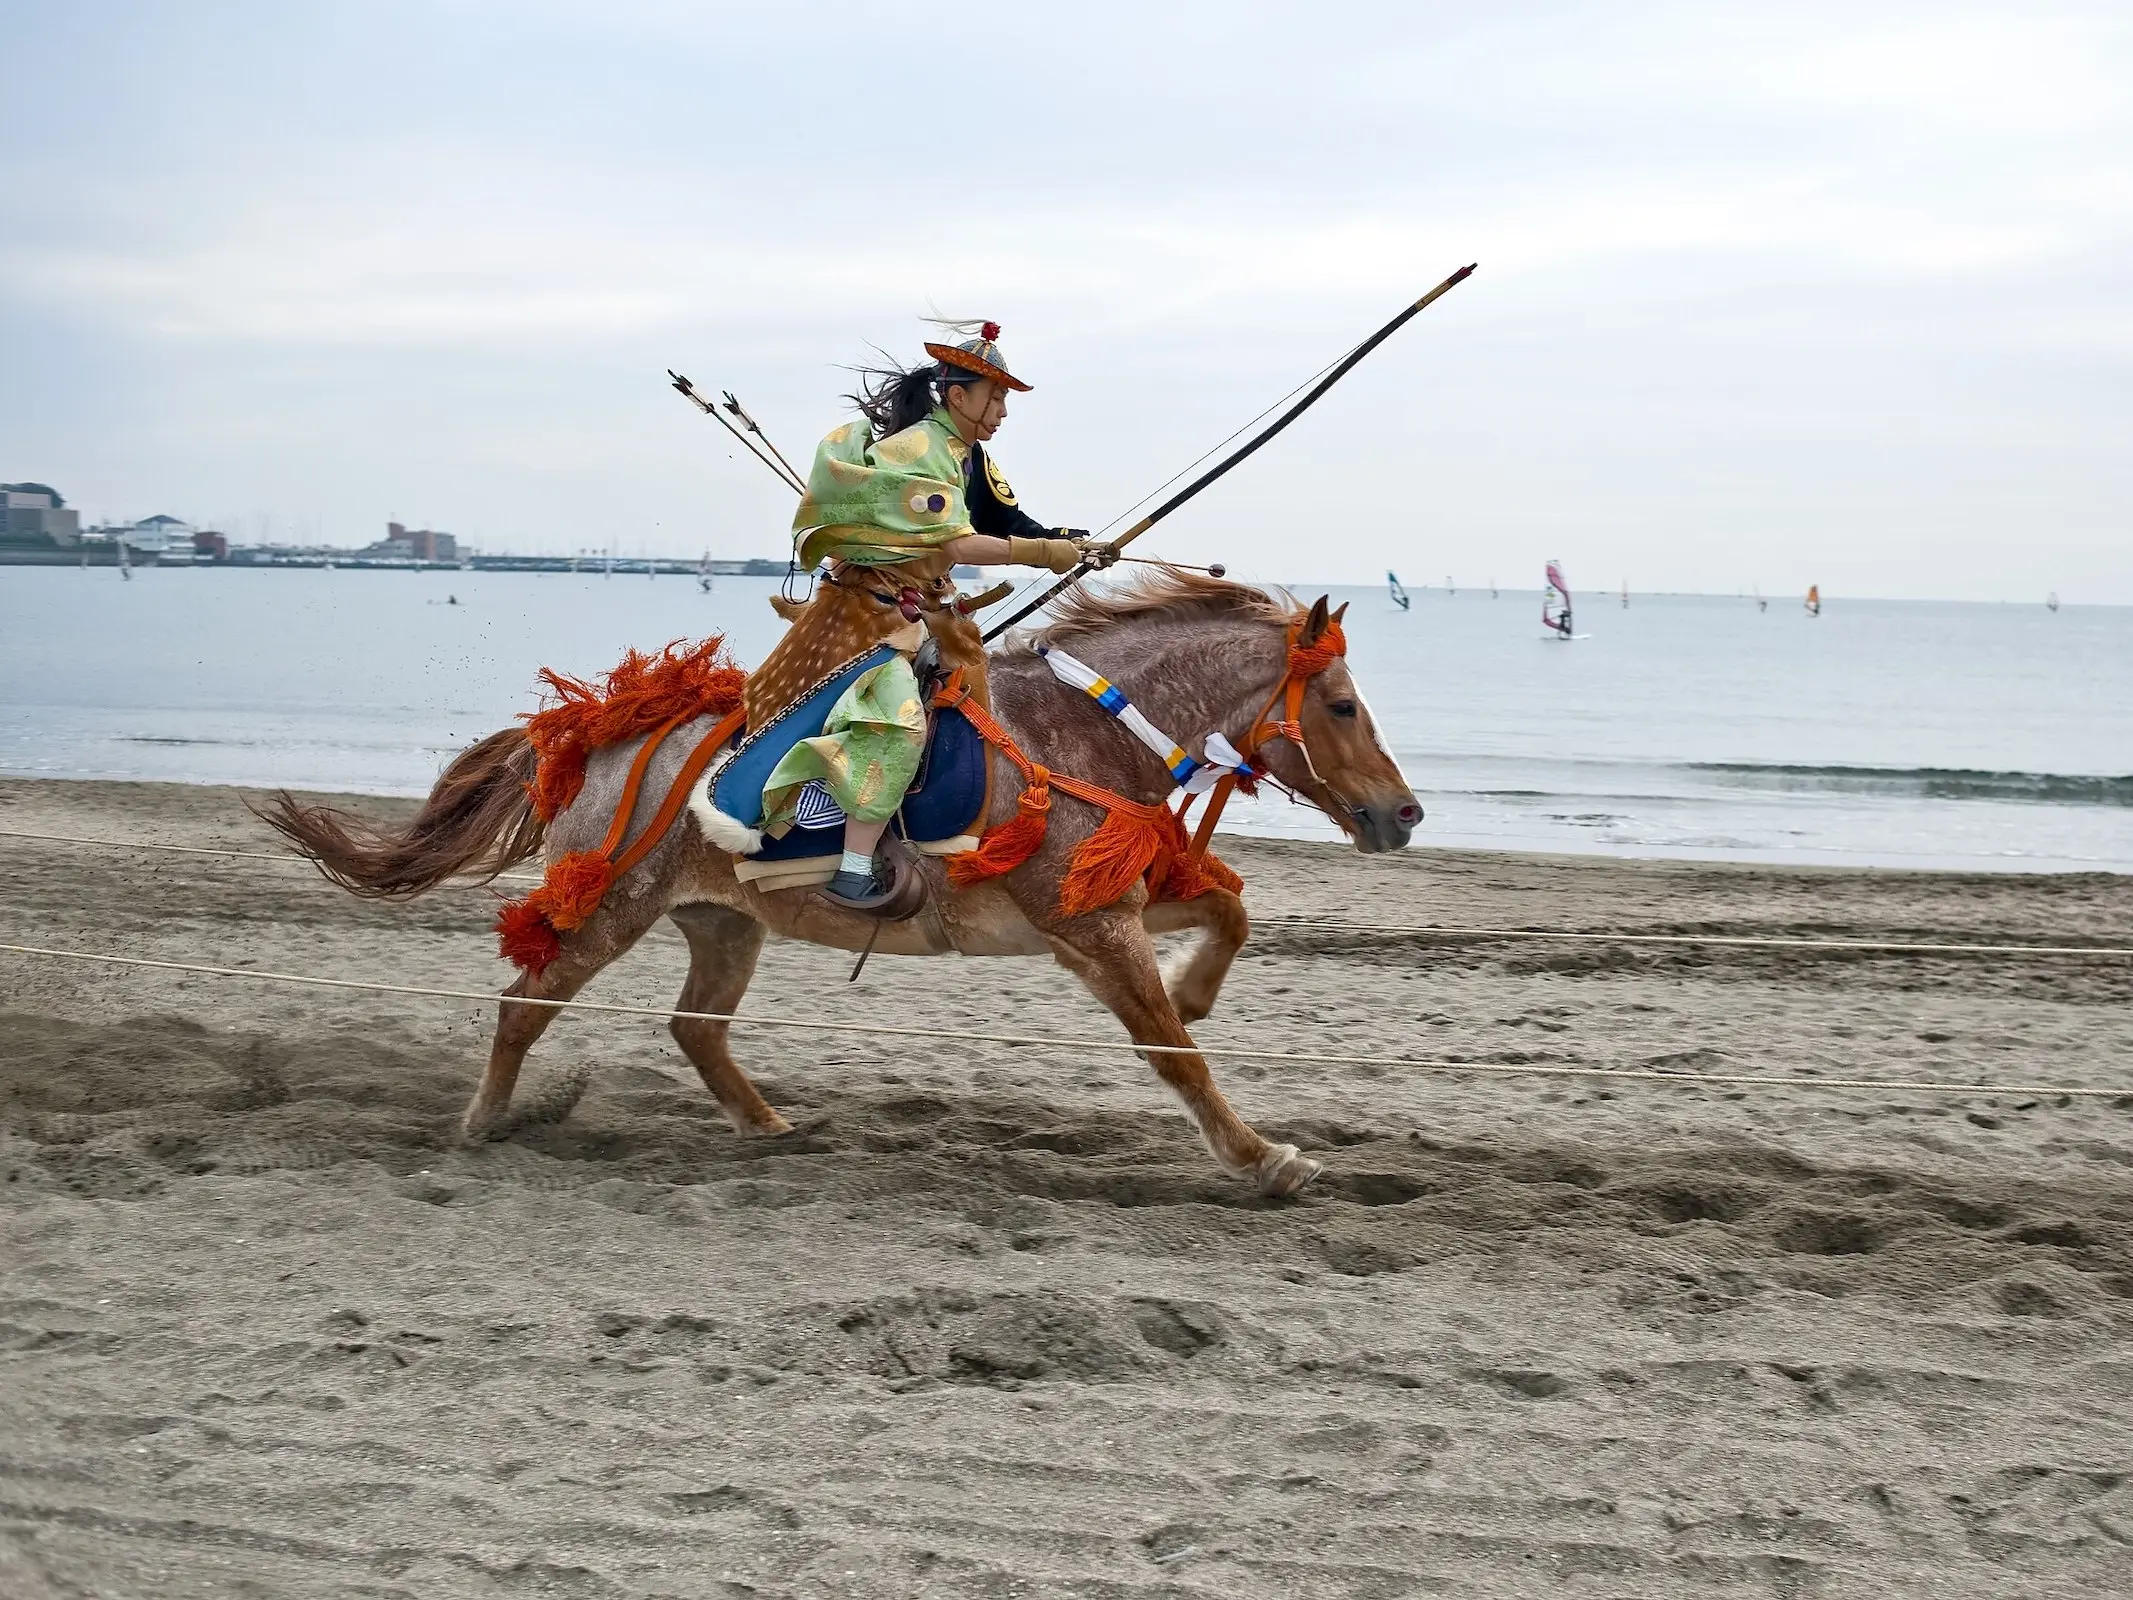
(1195, 653)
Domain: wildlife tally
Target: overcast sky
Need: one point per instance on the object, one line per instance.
(1834, 294)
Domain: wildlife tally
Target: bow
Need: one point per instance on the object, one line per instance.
(1340, 371)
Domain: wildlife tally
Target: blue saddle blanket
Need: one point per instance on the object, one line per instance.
(946, 798)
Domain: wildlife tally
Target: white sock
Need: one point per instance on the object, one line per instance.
(855, 862)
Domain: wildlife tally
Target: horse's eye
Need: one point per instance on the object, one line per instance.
(1342, 708)
(883, 599)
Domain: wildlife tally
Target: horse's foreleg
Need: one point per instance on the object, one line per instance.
(1194, 982)
(1112, 955)
(723, 945)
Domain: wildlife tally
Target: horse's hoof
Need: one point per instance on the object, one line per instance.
(1284, 1169)
(770, 1127)
(481, 1129)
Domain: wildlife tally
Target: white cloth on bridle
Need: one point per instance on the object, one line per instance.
(1194, 776)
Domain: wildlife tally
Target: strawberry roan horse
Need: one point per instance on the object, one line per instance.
(1195, 654)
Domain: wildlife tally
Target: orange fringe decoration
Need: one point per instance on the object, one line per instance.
(1191, 876)
(571, 890)
(1309, 660)
(643, 693)
(1140, 844)
(1111, 860)
(525, 936)
(1136, 843)
(529, 931)
(1013, 842)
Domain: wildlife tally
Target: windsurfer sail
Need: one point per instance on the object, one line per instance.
(1555, 602)
(2051, 601)
(1814, 599)
(1399, 595)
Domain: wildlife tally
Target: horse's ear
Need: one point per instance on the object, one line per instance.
(1342, 612)
(1315, 624)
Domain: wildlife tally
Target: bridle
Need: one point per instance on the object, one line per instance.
(1304, 662)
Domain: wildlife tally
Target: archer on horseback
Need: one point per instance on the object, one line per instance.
(1086, 882)
(895, 500)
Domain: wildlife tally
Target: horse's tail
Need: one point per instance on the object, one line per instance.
(478, 821)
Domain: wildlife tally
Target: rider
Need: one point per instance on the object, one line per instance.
(910, 491)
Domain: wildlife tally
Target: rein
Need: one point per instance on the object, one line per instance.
(1305, 662)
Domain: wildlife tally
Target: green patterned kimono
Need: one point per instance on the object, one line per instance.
(866, 754)
(872, 505)
(877, 504)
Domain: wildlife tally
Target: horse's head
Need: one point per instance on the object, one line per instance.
(1319, 739)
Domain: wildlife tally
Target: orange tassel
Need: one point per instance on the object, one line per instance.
(1013, 842)
(525, 936)
(571, 890)
(1110, 861)
(1188, 878)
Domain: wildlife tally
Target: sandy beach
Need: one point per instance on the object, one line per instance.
(991, 1322)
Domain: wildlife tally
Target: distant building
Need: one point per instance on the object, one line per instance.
(37, 517)
(158, 535)
(413, 544)
(210, 546)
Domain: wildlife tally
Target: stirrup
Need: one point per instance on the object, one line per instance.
(898, 899)
(856, 891)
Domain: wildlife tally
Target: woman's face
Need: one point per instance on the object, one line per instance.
(979, 407)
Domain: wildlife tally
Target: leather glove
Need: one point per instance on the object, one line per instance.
(1095, 552)
(1054, 555)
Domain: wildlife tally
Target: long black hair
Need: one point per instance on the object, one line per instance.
(893, 398)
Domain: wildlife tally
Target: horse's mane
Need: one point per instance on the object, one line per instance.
(1169, 591)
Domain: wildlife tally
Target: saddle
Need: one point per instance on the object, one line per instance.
(942, 813)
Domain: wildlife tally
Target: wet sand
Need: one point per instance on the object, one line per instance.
(990, 1322)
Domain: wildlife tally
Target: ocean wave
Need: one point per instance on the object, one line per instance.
(1931, 783)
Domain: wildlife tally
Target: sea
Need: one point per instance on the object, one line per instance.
(1882, 733)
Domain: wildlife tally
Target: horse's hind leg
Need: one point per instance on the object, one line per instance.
(518, 1026)
(1194, 982)
(1111, 954)
(723, 945)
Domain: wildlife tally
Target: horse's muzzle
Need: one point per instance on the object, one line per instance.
(1385, 827)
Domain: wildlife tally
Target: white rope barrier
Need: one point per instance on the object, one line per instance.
(1734, 941)
(282, 857)
(1331, 925)
(967, 1036)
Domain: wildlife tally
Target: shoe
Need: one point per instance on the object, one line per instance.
(858, 891)
(894, 890)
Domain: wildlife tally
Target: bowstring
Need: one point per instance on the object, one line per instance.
(1241, 428)
(1244, 427)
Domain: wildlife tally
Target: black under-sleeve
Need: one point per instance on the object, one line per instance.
(989, 513)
